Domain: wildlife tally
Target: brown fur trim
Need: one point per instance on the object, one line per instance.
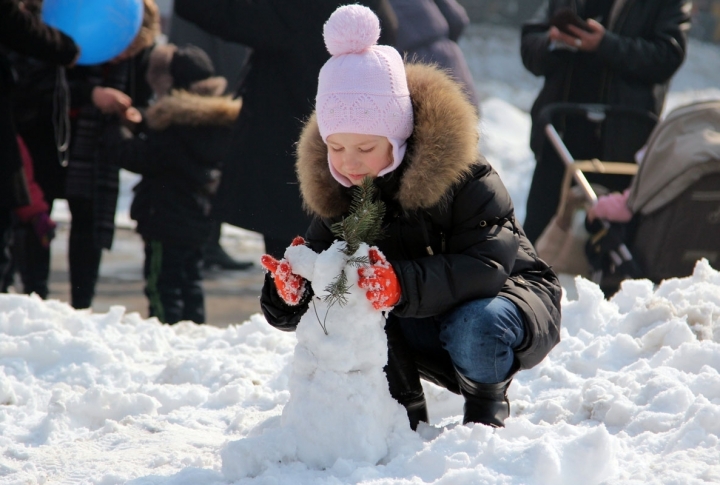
(149, 29)
(184, 108)
(441, 151)
(158, 74)
(212, 86)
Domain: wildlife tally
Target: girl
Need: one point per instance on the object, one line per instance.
(468, 302)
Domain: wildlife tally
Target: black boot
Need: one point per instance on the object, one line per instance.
(485, 403)
(215, 256)
(407, 390)
(403, 377)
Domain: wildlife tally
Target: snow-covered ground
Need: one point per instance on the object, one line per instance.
(631, 395)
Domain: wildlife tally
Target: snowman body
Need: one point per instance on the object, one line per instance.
(338, 369)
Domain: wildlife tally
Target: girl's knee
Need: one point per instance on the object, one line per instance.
(483, 325)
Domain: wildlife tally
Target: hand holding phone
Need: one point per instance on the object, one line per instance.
(566, 16)
(570, 30)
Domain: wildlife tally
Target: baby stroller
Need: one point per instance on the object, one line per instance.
(674, 199)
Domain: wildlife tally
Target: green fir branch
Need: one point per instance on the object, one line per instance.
(338, 290)
(364, 223)
(358, 261)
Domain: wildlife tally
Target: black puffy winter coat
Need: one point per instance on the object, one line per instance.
(446, 197)
(644, 45)
(180, 158)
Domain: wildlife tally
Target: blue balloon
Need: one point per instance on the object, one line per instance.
(102, 29)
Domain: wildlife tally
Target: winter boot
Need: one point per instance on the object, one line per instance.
(215, 256)
(403, 376)
(485, 403)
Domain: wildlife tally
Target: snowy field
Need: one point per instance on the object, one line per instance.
(630, 396)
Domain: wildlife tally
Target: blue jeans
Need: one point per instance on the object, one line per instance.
(480, 337)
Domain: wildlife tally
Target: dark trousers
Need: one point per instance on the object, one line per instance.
(173, 282)
(544, 194)
(214, 236)
(83, 253)
(479, 337)
(32, 260)
(546, 187)
(5, 263)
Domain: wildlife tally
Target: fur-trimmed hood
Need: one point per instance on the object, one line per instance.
(184, 108)
(441, 151)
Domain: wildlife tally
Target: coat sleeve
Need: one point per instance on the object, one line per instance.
(388, 22)
(482, 246)
(319, 236)
(534, 45)
(26, 34)
(654, 59)
(128, 151)
(456, 17)
(278, 313)
(253, 23)
(155, 152)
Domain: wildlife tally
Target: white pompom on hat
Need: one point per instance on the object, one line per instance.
(362, 88)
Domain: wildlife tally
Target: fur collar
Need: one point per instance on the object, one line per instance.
(441, 151)
(184, 108)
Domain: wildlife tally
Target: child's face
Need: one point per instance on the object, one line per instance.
(357, 156)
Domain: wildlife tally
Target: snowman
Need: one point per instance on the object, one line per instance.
(340, 406)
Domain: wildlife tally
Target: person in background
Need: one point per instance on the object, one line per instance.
(428, 31)
(24, 33)
(230, 61)
(61, 116)
(179, 156)
(33, 217)
(98, 96)
(467, 300)
(287, 53)
(627, 57)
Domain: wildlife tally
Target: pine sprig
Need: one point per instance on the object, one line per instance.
(357, 261)
(364, 223)
(338, 290)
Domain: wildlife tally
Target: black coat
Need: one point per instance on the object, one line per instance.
(259, 189)
(22, 32)
(644, 45)
(446, 196)
(180, 158)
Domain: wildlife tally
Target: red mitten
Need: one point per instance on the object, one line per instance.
(380, 280)
(290, 286)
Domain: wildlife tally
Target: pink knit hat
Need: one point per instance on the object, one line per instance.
(362, 88)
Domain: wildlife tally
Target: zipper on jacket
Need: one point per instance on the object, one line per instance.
(426, 238)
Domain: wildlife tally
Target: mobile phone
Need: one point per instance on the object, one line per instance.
(566, 16)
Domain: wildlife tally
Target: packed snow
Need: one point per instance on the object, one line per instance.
(631, 395)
